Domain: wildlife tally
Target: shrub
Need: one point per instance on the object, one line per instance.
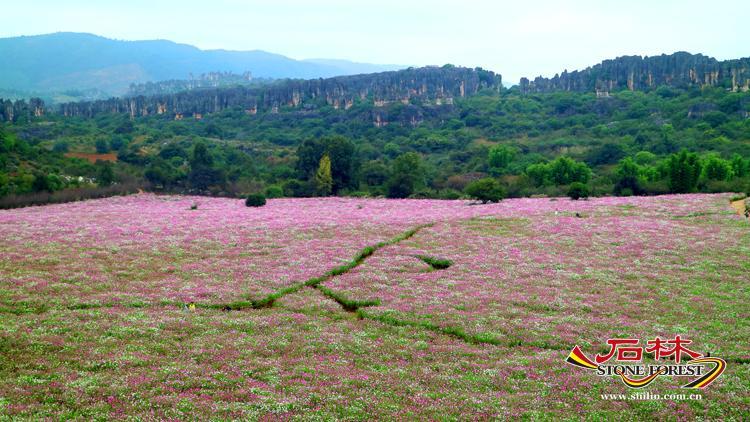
(424, 193)
(298, 188)
(449, 194)
(485, 190)
(357, 194)
(436, 263)
(659, 187)
(274, 192)
(255, 200)
(578, 190)
(627, 178)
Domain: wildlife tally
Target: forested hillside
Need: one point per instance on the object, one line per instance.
(433, 132)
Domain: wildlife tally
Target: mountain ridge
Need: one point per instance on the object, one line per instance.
(80, 61)
(637, 73)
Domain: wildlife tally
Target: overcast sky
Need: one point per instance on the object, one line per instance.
(514, 38)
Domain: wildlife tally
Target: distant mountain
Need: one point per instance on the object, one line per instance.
(60, 62)
(354, 68)
(636, 73)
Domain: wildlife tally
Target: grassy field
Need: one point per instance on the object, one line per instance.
(143, 307)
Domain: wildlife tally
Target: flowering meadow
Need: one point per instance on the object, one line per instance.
(392, 309)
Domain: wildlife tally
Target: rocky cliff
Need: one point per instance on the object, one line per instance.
(636, 73)
(423, 86)
(13, 111)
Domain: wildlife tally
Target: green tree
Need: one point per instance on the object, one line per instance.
(102, 146)
(125, 127)
(340, 151)
(715, 168)
(608, 153)
(407, 175)
(160, 172)
(564, 170)
(667, 145)
(43, 182)
(373, 173)
(323, 178)
(255, 200)
(4, 184)
(561, 171)
(60, 146)
(578, 190)
(500, 157)
(485, 190)
(105, 175)
(645, 157)
(683, 171)
(539, 173)
(627, 178)
(391, 150)
(202, 171)
(117, 143)
(740, 166)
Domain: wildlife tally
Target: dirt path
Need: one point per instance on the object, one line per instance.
(739, 206)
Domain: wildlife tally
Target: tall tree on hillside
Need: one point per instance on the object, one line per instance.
(715, 168)
(102, 146)
(500, 156)
(627, 180)
(564, 170)
(340, 151)
(740, 166)
(202, 171)
(105, 175)
(407, 175)
(683, 171)
(323, 179)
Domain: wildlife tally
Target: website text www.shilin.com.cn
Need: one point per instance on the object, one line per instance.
(645, 395)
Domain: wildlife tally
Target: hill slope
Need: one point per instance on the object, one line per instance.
(75, 61)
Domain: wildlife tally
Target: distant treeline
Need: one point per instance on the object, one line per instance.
(67, 195)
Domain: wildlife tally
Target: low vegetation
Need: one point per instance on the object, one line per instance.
(320, 309)
(436, 263)
(255, 200)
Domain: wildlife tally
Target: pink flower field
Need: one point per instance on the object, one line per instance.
(329, 308)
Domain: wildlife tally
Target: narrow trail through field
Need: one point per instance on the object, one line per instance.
(315, 282)
(347, 304)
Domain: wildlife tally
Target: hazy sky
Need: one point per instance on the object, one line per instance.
(514, 38)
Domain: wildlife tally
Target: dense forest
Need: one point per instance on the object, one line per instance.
(444, 132)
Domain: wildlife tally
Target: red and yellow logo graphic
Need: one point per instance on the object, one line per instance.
(634, 374)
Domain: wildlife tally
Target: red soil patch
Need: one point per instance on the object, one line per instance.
(93, 157)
